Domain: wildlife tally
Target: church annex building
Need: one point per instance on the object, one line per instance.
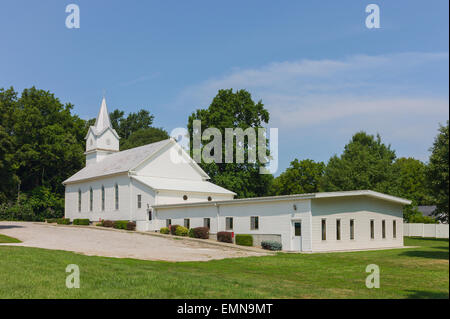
(145, 185)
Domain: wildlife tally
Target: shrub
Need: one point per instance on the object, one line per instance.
(51, 220)
(173, 229)
(79, 221)
(225, 237)
(271, 245)
(200, 232)
(244, 240)
(120, 224)
(131, 226)
(107, 223)
(164, 230)
(191, 232)
(181, 231)
(18, 211)
(63, 221)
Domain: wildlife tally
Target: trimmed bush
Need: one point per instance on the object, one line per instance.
(107, 223)
(63, 221)
(271, 245)
(244, 240)
(131, 226)
(173, 229)
(120, 224)
(191, 232)
(164, 230)
(181, 231)
(225, 237)
(200, 232)
(81, 221)
(51, 220)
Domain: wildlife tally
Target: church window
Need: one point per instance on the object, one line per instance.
(103, 197)
(79, 200)
(185, 197)
(116, 191)
(209, 198)
(91, 199)
(139, 201)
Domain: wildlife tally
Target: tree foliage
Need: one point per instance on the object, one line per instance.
(144, 136)
(438, 173)
(299, 178)
(231, 109)
(366, 163)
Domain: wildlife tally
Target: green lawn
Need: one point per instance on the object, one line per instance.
(421, 272)
(7, 239)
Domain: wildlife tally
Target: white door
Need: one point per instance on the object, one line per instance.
(296, 243)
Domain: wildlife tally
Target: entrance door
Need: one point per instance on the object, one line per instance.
(297, 235)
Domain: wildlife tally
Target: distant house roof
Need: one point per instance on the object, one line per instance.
(120, 162)
(426, 210)
(161, 183)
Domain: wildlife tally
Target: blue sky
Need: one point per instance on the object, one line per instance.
(320, 72)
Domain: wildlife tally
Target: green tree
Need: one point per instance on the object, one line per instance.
(366, 163)
(299, 178)
(231, 109)
(7, 176)
(143, 137)
(46, 139)
(438, 173)
(409, 181)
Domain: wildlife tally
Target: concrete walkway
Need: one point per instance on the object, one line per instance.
(122, 244)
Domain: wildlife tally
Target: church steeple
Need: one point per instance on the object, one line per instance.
(102, 120)
(101, 139)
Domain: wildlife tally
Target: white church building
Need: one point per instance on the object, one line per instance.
(158, 184)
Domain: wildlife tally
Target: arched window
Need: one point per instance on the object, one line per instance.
(116, 191)
(103, 197)
(91, 199)
(185, 197)
(79, 200)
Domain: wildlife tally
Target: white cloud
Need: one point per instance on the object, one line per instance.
(402, 96)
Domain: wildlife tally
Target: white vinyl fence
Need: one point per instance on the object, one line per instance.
(426, 230)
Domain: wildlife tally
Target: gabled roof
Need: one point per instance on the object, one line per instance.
(161, 183)
(120, 162)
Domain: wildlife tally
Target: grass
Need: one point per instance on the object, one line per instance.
(6, 239)
(421, 272)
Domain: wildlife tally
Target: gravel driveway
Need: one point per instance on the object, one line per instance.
(101, 242)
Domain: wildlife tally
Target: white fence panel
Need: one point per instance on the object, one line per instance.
(426, 230)
(429, 230)
(442, 231)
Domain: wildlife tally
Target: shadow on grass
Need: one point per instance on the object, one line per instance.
(417, 294)
(429, 238)
(10, 226)
(426, 254)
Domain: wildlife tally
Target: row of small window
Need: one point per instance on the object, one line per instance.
(254, 223)
(352, 229)
(91, 198)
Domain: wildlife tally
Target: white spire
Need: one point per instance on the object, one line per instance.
(103, 120)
